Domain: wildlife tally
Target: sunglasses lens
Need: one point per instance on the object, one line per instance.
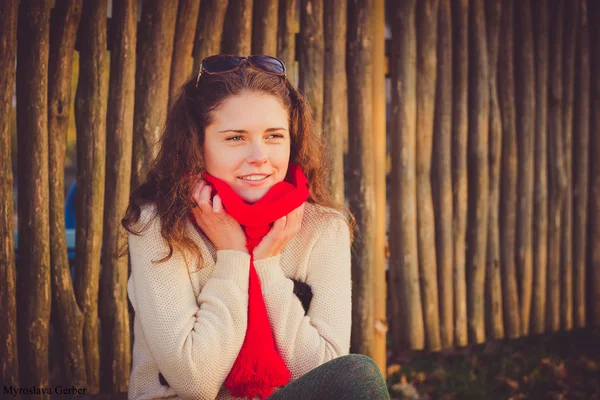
(270, 64)
(220, 63)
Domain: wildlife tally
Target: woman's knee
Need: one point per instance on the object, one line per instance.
(364, 375)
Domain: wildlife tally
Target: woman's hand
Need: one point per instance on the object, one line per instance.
(281, 233)
(221, 228)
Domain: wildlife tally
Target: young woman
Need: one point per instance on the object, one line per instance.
(233, 218)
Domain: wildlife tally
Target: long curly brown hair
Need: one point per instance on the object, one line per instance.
(180, 159)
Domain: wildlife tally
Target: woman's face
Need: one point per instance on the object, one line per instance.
(249, 139)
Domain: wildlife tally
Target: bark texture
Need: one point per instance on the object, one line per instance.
(460, 126)
(116, 355)
(90, 119)
(68, 324)
(33, 280)
(493, 278)
(9, 360)
(361, 181)
(407, 314)
(540, 209)
(478, 170)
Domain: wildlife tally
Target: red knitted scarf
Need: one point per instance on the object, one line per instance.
(259, 368)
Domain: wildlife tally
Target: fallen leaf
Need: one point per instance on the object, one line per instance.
(392, 369)
(511, 383)
(407, 391)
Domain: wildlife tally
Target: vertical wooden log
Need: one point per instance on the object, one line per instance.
(209, 30)
(90, 118)
(493, 280)
(155, 51)
(442, 174)
(379, 169)
(335, 106)
(9, 360)
(566, 251)
(361, 180)
(525, 97)
(64, 23)
(264, 27)
(427, 18)
(557, 174)
(116, 355)
(594, 199)
(185, 30)
(581, 142)
(33, 279)
(540, 210)
(406, 314)
(286, 35)
(460, 124)
(478, 168)
(237, 37)
(509, 175)
(311, 57)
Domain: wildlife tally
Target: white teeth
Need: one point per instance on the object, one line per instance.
(254, 177)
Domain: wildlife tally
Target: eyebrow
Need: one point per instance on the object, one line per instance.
(243, 131)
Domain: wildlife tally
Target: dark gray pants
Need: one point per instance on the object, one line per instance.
(350, 377)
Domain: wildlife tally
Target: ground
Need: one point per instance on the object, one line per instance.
(551, 366)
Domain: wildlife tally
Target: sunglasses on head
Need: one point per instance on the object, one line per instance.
(224, 63)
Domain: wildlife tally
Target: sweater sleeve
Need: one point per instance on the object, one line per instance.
(307, 341)
(194, 342)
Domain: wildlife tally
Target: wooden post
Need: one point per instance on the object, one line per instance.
(185, 29)
(525, 102)
(33, 279)
(116, 355)
(540, 209)
(442, 175)
(493, 280)
(335, 106)
(594, 199)
(509, 176)
(566, 251)
(153, 70)
(406, 314)
(237, 37)
(64, 23)
(90, 117)
(460, 124)
(286, 36)
(209, 30)
(380, 326)
(427, 18)
(311, 57)
(9, 360)
(264, 27)
(557, 174)
(361, 197)
(478, 169)
(581, 142)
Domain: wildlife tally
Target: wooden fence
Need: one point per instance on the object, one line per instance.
(494, 189)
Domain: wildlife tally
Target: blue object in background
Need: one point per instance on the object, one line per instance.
(70, 228)
(70, 207)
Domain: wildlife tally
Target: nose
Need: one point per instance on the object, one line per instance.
(258, 154)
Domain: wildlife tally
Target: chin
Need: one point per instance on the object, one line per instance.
(252, 196)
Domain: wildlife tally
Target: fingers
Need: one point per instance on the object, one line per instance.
(217, 204)
(290, 224)
(196, 191)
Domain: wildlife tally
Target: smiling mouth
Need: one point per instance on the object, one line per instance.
(254, 178)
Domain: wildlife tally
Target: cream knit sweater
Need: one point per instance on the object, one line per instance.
(190, 319)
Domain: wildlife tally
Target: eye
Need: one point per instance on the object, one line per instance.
(277, 135)
(234, 137)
